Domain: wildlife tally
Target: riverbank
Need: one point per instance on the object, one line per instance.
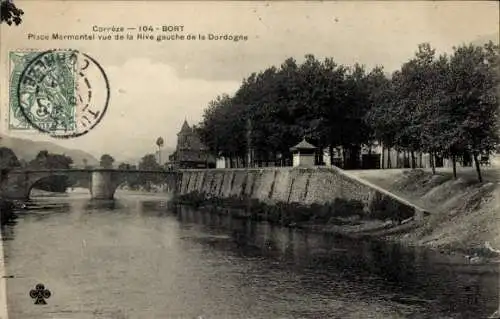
(462, 213)
(465, 214)
(341, 217)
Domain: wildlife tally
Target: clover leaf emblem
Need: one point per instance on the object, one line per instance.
(40, 294)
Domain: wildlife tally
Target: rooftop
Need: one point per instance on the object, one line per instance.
(303, 145)
(185, 127)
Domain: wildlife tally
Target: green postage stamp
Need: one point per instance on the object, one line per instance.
(63, 93)
(42, 91)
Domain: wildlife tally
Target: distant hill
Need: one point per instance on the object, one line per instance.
(27, 150)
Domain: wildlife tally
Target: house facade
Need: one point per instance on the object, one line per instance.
(190, 151)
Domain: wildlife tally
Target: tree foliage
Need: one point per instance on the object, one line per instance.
(159, 141)
(46, 160)
(148, 162)
(125, 166)
(9, 13)
(445, 105)
(106, 161)
(8, 158)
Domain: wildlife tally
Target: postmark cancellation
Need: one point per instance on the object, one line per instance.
(63, 93)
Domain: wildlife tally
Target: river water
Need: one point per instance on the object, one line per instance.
(136, 259)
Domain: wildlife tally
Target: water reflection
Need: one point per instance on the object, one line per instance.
(136, 259)
(391, 272)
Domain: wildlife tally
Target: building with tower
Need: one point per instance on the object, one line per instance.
(190, 151)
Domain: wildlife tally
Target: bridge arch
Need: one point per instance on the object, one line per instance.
(52, 179)
(102, 182)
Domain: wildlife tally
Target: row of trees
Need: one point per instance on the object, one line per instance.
(107, 161)
(445, 105)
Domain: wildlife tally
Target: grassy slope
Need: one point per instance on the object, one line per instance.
(465, 213)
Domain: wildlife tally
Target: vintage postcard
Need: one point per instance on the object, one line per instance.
(249, 159)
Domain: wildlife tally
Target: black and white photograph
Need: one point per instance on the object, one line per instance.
(249, 159)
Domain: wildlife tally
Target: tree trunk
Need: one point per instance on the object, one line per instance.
(454, 162)
(433, 164)
(420, 160)
(413, 163)
(478, 168)
(383, 158)
(389, 162)
(344, 158)
(356, 157)
(330, 152)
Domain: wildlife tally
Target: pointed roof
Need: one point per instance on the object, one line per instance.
(303, 145)
(185, 127)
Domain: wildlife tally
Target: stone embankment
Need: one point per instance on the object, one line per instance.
(410, 206)
(358, 205)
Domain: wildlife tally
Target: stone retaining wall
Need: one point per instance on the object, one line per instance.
(306, 186)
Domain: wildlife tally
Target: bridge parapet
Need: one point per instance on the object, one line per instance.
(104, 182)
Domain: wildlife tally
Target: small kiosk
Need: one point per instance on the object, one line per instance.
(303, 154)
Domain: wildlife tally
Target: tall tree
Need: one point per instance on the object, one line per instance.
(159, 143)
(106, 161)
(440, 126)
(148, 162)
(423, 82)
(474, 83)
(380, 116)
(355, 130)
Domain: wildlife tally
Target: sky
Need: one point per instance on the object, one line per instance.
(155, 86)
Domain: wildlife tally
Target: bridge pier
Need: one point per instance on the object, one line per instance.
(102, 185)
(17, 184)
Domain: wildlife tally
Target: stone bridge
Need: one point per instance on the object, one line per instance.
(17, 184)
